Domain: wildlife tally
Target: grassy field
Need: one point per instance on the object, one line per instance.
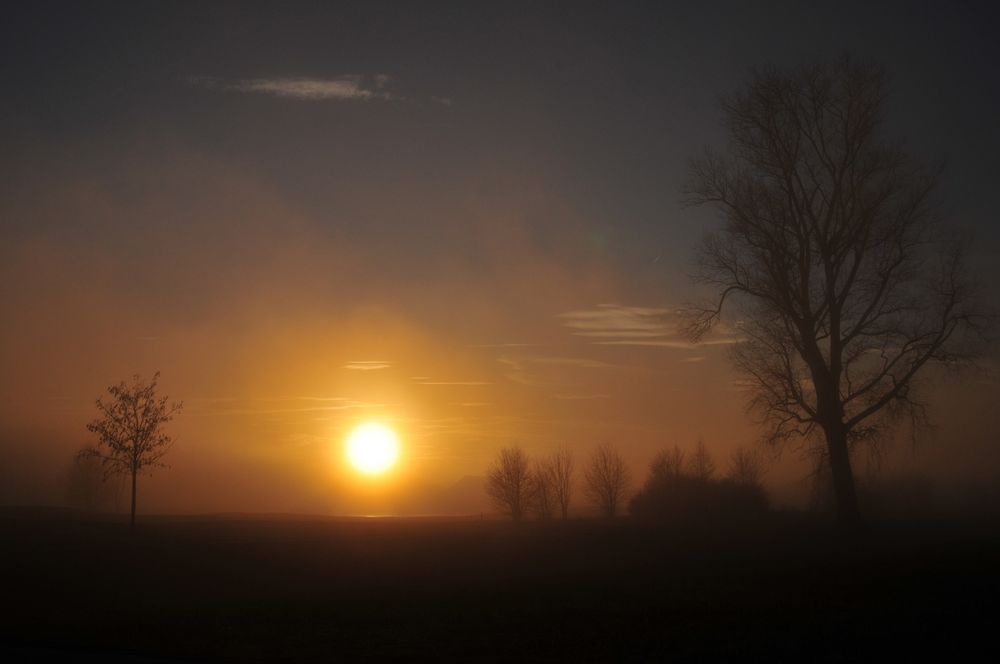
(299, 588)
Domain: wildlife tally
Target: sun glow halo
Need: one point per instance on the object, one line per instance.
(372, 448)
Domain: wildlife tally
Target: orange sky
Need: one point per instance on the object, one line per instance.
(465, 224)
(279, 337)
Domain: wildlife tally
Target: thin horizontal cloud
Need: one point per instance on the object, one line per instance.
(580, 397)
(584, 362)
(669, 343)
(301, 398)
(342, 88)
(347, 405)
(623, 325)
(524, 363)
(618, 321)
(367, 365)
(547, 370)
(501, 345)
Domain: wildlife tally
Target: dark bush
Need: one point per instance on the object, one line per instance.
(684, 497)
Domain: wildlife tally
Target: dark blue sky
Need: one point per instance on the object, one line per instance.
(603, 102)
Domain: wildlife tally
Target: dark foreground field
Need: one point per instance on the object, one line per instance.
(324, 589)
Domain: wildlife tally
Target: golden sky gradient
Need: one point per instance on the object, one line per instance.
(280, 337)
(467, 229)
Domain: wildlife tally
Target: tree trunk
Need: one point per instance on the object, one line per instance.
(131, 521)
(848, 513)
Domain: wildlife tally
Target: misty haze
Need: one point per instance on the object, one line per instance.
(498, 331)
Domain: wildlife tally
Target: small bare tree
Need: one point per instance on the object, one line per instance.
(130, 430)
(509, 482)
(562, 478)
(543, 489)
(607, 479)
(702, 466)
(746, 466)
(846, 283)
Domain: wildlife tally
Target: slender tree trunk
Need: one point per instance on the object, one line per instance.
(848, 512)
(131, 521)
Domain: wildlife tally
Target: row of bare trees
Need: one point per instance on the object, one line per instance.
(519, 486)
(746, 466)
(543, 487)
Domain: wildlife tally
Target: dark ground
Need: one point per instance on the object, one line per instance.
(299, 588)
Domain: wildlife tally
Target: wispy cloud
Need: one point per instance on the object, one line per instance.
(547, 370)
(501, 345)
(583, 362)
(277, 405)
(344, 88)
(669, 343)
(618, 321)
(367, 365)
(580, 397)
(622, 325)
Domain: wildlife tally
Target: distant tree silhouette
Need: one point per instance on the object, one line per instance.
(701, 465)
(746, 466)
(562, 476)
(677, 492)
(543, 489)
(130, 430)
(668, 462)
(88, 485)
(509, 482)
(607, 480)
(846, 284)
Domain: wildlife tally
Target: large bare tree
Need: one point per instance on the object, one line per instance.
(130, 430)
(509, 482)
(607, 480)
(835, 258)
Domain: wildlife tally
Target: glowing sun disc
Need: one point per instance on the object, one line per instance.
(372, 448)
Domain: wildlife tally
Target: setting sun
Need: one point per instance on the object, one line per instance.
(372, 448)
